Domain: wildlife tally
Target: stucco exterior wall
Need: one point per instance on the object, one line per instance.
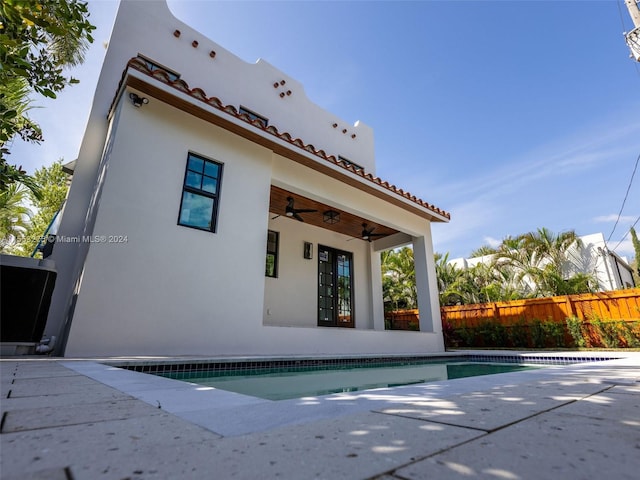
(148, 28)
(167, 283)
(291, 299)
(151, 287)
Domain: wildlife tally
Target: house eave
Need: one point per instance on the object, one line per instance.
(195, 102)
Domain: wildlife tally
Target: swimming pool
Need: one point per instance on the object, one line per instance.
(286, 384)
(297, 377)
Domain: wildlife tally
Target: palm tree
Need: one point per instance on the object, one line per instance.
(15, 218)
(541, 261)
(448, 278)
(399, 278)
(482, 251)
(551, 248)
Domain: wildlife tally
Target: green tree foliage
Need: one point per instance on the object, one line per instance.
(399, 279)
(541, 262)
(536, 264)
(449, 280)
(10, 174)
(52, 181)
(482, 251)
(480, 283)
(15, 218)
(38, 40)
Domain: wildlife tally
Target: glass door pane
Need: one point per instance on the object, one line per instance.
(344, 290)
(335, 288)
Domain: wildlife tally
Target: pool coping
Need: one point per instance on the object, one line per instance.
(257, 365)
(233, 414)
(70, 418)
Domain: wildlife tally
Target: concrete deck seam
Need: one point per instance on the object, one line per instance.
(483, 430)
(485, 433)
(497, 429)
(92, 422)
(392, 471)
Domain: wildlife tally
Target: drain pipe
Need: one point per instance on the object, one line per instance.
(46, 346)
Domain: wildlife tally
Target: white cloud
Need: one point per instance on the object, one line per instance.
(613, 217)
(492, 242)
(624, 249)
(565, 157)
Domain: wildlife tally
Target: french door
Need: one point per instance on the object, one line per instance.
(335, 288)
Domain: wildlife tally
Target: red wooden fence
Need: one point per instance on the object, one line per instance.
(614, 305)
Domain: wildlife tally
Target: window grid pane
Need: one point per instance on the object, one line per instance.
(272, 254)
(200, 192)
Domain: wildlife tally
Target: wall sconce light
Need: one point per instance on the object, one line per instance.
(137, 100)
(308, 250)
(331, 217)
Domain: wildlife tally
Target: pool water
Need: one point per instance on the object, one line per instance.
(286, 384)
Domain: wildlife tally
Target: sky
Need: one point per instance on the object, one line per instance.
(510, 115)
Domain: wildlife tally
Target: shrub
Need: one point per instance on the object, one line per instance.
(467, 336)
(553, 333)
(451, 338)
(492, 333)
(630, 333)
(518, 334)
(575, 328)
(537, 334)
(608, 332)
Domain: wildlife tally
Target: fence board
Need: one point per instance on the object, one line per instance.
(615, 305)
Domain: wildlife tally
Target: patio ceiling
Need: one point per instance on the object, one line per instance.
(349, 224)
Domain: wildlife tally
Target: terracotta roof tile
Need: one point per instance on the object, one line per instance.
(199, 94)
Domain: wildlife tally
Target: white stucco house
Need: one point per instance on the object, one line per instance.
(591, 256)
(214, 209)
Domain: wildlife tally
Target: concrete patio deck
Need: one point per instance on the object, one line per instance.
(79, 419)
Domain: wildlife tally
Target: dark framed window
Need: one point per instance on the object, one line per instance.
(272, 254)
(152, 66)
(200, 193)
(254, 116)
(349, 163)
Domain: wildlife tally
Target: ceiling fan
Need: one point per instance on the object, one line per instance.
(368, 234)
(292, 212)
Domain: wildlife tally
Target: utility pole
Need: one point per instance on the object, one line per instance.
(633, 37)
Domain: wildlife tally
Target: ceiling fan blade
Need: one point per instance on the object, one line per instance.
(304, 210)
(289, 210)
(297, 217)
(273, 218)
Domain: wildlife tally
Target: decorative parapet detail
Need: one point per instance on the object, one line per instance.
(199, 94)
